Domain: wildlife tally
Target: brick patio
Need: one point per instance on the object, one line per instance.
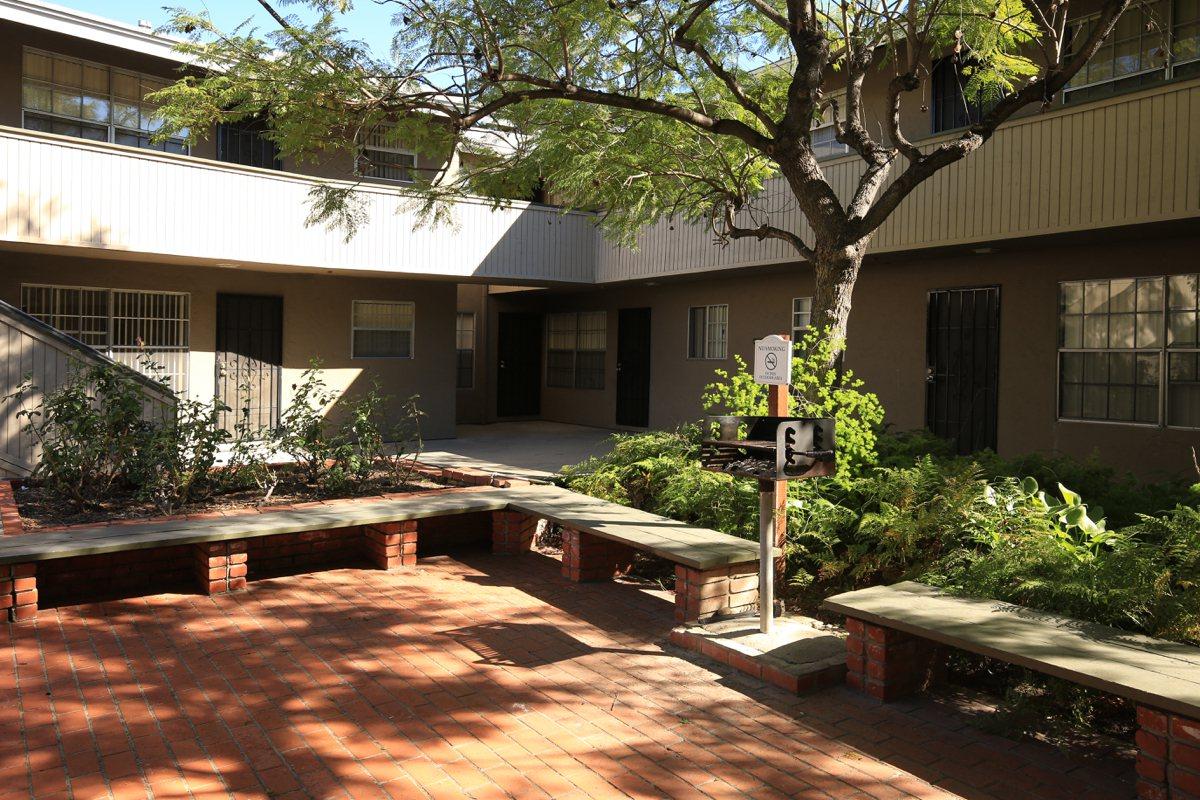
(481, 676)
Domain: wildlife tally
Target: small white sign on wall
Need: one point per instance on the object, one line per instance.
(773, 361)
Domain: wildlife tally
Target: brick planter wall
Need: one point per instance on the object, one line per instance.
(10, 515)
(18, 591)
(130, 573)
(1168, 760)
(220, 566)
(391, 545)
(704, 594)
(889, 664)
(586, 557)
(291, 553)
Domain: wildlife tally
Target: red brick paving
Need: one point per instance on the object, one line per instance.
(480, 677)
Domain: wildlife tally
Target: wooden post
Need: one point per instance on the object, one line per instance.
(777, 406)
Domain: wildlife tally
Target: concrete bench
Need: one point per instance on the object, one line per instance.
(716, 571)
(893, 650)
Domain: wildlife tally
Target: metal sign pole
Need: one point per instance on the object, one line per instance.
(766, 555)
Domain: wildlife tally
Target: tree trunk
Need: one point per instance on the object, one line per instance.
(835, 270)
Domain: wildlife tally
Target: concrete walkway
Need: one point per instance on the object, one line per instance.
(532, 450)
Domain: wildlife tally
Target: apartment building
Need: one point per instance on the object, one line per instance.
(1040, 296)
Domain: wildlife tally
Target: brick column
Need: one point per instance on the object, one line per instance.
(889, 664)
(1168, 760)
(724, 591)
(220, 566)
(18, 591)
(512, 532)
(586, 557)
(391, 544)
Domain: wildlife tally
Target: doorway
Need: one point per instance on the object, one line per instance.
(249, 359)
(519, 365)
(633, 367)
(962, 347)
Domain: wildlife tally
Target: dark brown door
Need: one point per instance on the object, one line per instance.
(633, 367)
(519, 367)
(249, 358)
(963, 356)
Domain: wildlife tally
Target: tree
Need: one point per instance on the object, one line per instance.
(645, 108)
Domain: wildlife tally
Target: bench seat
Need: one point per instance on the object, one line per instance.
(597, 536)
(888, 656)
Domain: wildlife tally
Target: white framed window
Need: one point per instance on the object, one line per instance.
(381, 158)
(708, 332)
(1129, 350)
(464, 343)
(824, 134)
(801, 317)
(576, 343)
(382, 329)
(124, 324)
(1151, 41)
(72, 97)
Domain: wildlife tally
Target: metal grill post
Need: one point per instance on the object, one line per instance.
(766, 553)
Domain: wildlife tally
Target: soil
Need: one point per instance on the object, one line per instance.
(41, 508)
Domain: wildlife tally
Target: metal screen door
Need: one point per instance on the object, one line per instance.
(249, 358)
(963, 356)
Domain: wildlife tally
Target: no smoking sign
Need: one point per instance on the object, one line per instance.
(773, 361)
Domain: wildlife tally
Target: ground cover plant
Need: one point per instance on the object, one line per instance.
(109, 452)
(1064, 535)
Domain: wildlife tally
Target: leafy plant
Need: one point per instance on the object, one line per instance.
(91, 430)
(178, 457)
(357, 445)
(303, 431)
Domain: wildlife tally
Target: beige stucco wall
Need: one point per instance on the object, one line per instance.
(316, 322)
(887, 340)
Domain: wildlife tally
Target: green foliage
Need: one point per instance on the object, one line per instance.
(90, 429)
(178, 457)
(357, 447)
(303, 432)
(817, 390)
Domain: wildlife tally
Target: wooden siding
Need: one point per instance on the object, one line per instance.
(1131, 159)
(59, 191)
(33, 351)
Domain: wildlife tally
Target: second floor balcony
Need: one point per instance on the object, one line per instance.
(66, 194)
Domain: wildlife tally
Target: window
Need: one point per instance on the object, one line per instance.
(464, 342)
(91, 101)
(380, 157)
(124, 324)
(575, 349)
(824, 135)
(382, 329)
(1151, 42)
(801, 317)
(245, 143)
(1114, 338)
(708, 331)
(952, 106)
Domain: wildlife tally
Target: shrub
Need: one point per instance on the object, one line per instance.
(303, 431)
(178, 457)
(91, 429)
(356, 446)
(818, 390)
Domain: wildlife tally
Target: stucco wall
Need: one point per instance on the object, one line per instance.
(887, 341)
(316, 322)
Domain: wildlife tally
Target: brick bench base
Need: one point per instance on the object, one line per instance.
(699, 594)
(18, 591)
(513, 532)
(220, 566)
(391, 545)
(889, 664)
(1168, 759)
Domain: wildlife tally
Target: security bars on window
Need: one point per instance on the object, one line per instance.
(708, 332)
(1129, 351)
(464, 341)
(126, 325)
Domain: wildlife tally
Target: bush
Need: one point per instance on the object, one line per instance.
(178, 456)
(817, 390)
(91, 430)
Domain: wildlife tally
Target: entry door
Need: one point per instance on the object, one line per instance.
(519, 367)
(249, 358)
(633, 367)
(963, 356)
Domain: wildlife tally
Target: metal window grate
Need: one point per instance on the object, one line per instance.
(464, 342)
(382, 329)
(125, 324)
(575, 349)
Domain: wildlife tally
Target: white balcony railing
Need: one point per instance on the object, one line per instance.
(63, 192)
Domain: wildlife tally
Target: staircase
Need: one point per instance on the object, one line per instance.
(32, 350)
